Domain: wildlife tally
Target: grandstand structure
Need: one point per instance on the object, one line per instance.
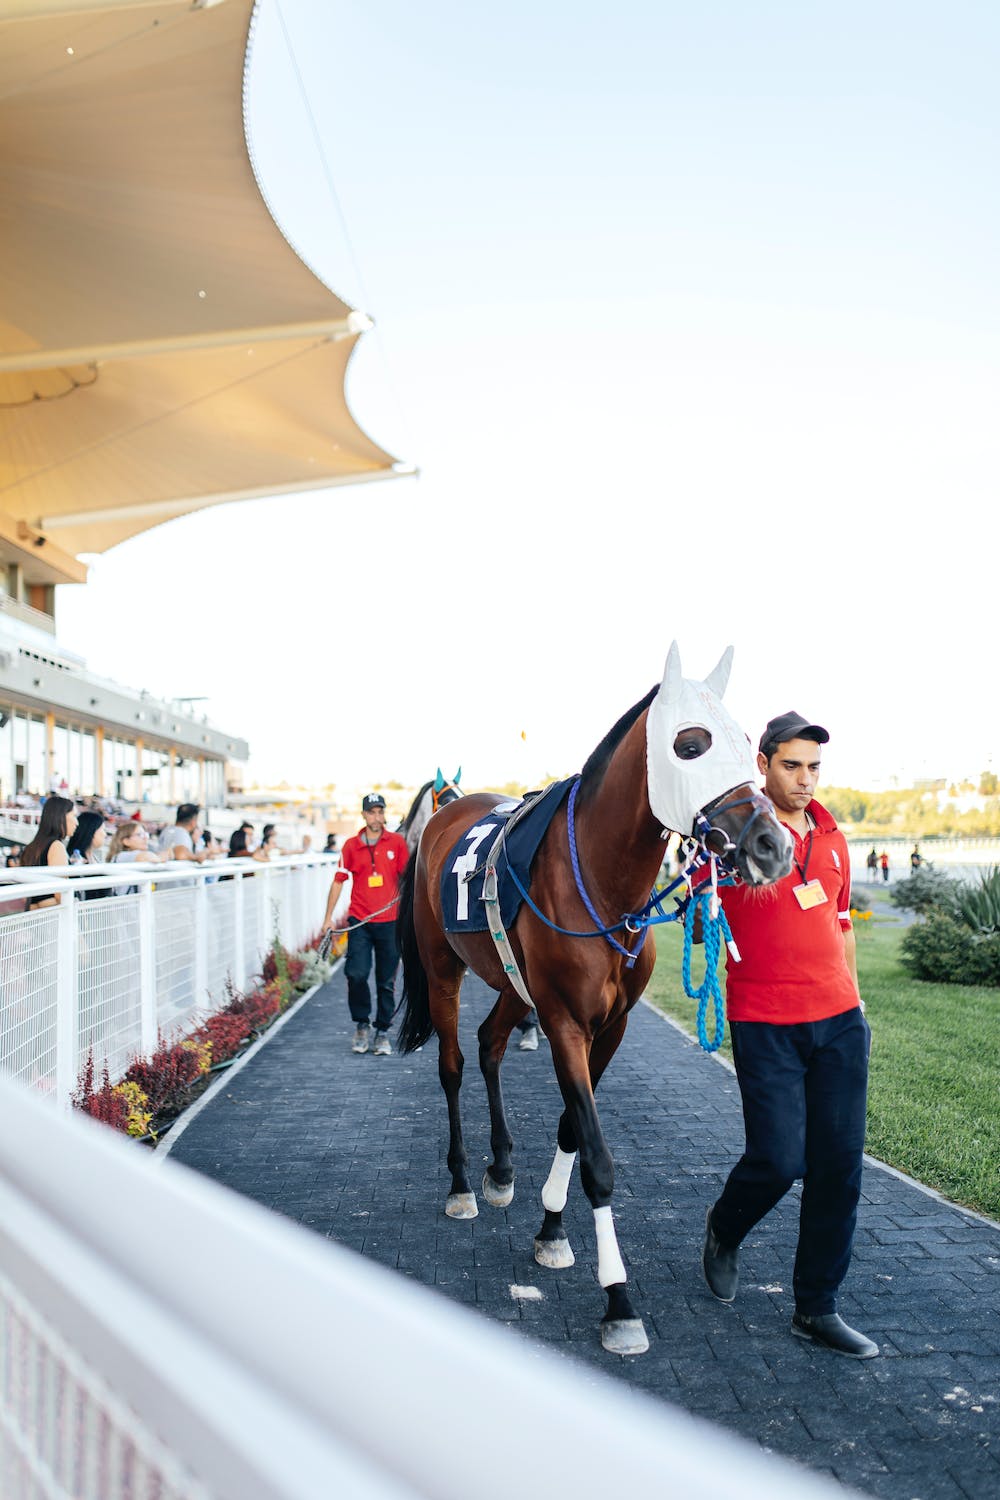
(162, 349)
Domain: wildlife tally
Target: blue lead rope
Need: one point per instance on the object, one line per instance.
(713, 930)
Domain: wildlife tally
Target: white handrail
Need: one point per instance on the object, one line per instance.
(239, 1357)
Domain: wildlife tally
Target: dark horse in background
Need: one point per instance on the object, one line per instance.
(431, 796)
(676, 761)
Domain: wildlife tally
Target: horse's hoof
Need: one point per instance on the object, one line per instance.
(462, 1206)
(624, 1336)
(556, 1254)
(495, 1195)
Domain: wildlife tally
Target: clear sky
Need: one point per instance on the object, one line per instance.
(688, 315)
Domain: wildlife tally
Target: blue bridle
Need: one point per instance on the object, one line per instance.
(704, 903)
(652, 914)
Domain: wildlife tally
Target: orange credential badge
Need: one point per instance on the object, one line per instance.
(809, 895)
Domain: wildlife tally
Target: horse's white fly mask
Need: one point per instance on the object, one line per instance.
(679, 789)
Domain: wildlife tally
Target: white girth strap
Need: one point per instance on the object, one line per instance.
(497, 931)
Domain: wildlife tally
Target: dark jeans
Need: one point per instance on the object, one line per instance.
(376, 939)
(804, 1090)
(531, 1019)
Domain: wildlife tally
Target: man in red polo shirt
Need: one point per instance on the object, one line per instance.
(376, 859)
(800, 1044)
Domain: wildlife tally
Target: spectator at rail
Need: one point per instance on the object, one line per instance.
(916, 858)
(268, 843)
(85, 848)
(251, 842)
(130, 845)
(179, 841)
(239, 847)
(330, 847)
(884, 862)
(56, 824)
(213, 848)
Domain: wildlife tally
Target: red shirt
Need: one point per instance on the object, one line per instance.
(793, 963)
(376, 869)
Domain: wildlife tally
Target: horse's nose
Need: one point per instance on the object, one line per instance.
(770, 850)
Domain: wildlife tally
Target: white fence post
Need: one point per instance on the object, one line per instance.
(67, 1001)
(148, 1023)
(265, 916)
(239, 968)
(200, 984)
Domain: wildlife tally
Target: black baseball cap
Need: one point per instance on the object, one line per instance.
(372, 799)
(790, 726)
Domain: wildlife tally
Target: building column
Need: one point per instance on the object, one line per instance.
(99, 756)
(172, 778)
(50, 749)
(201, 780)
(138, 770)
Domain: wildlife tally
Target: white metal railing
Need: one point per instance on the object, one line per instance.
(164, 1337)
(108, 977)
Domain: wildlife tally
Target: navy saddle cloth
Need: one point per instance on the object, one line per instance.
(463, 875)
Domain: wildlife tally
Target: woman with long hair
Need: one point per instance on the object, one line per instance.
(130, 845)
(56, 824)
(88, 840)
(238, 847)
(85, 846)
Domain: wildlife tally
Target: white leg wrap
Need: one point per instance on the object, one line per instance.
(556, 1188)
(610, 1266)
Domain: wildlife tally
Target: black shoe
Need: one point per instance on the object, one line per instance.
(830, 1330)
(721, 1266)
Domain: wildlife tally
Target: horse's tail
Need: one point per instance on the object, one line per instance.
(416, 1026)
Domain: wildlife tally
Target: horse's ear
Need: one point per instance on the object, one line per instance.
(439, 781)
(457, 777)
(718, 678)
(673, 681)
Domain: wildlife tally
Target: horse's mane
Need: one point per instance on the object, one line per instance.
(597, 761)
(404, 826)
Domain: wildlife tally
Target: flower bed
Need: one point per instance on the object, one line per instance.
(154, 1091)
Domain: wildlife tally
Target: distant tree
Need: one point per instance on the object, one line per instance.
(988, 784)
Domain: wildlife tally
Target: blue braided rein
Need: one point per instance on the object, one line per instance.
(713, 930)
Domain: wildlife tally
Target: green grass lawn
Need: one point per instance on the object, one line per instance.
(934, 1089)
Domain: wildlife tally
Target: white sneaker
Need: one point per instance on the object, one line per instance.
(529, 1041)
(360, 1043)
(382, 1046)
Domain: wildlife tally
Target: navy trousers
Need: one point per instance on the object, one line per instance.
(804, 1091)
(364, 942)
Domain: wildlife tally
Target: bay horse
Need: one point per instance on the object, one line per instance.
(676, 761)
(431, 796)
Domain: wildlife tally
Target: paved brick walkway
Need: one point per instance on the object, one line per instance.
(353, 1147)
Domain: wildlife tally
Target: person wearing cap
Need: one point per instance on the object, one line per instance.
(800, 1044)
(375, 858)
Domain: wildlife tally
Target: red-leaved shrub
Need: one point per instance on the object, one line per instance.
(101, 1103)
(165, 1076)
